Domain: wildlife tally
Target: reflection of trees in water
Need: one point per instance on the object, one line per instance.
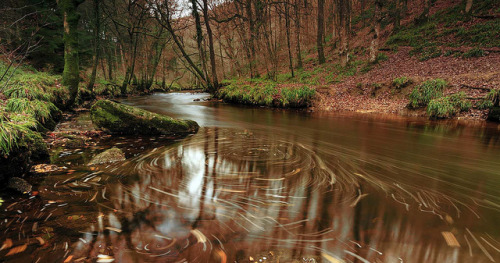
(222, 194)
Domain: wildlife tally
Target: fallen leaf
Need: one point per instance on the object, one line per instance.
(41, 240)
(17, 249)
(6, 244)
(68, 259)
(104, 258)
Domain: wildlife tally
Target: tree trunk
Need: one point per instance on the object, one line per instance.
(468, 6)
(97, 46)
(251, 36)
(199, 37)
(215, 83)
(71, 73)
(297, 34)
(287, 25)
(344, 13)
(165, 22)
(321, 31)
(376, 31)
(397, 15)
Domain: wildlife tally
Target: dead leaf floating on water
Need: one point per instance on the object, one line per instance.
(6, 244)
(45, 168)
(68, 259)
(17, 249)
(41, 240)
(104, 258)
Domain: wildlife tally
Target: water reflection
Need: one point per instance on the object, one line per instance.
(270, 185)
(225, 195)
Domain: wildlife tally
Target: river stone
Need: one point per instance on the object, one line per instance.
(123, 119)
(19, 184)
(494, 114)
(112, 155)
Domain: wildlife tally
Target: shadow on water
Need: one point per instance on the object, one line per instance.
(306, 188)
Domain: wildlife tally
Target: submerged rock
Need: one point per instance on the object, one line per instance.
(19, 184)
(112, 155)
(122, 119)
(494, 114)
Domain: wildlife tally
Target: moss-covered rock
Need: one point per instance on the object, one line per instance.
(123, 119)
(494, 114)
(112, 155)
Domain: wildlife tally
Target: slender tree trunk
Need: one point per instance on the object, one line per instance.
(199, 37)
(97, 46)
(344, 10)
(71, 73)
(297, 34)
(251, 36)
(165, 22)
(468, 7)
(215, 81)
(397, 15)
(321, 31)
(376, 31)
(287, 26)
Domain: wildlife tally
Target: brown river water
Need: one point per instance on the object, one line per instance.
(264, 185)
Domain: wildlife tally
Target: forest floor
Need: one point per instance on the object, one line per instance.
(373, 92)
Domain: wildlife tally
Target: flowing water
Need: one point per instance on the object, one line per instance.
(264, 185)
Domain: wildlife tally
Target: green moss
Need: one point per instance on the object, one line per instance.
(109, 156)
(123, 119)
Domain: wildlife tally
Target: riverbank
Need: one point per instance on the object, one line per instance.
(386, 87)
(376, 91)
(31, 105)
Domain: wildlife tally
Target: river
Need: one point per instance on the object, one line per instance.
(269, 185)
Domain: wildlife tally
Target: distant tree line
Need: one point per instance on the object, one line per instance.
(142, 43)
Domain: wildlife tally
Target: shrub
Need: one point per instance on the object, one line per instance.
(401, 82)
(494, 96)
(484, 104)
(449, 106)
(474, 53)
(426, 91)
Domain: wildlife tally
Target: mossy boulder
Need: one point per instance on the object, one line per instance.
(494, 114)
(112, 155)
(123, 119)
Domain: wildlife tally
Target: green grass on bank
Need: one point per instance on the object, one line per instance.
(266, 93)
(29, 105)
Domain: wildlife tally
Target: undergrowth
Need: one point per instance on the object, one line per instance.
(448, 106)
(426, 91)
(266, 93)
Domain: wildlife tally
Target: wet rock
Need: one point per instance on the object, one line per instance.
(30, 148)
(70, 141)
(112, 155)
(122, 119)
(494, 114)
(19, 185)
